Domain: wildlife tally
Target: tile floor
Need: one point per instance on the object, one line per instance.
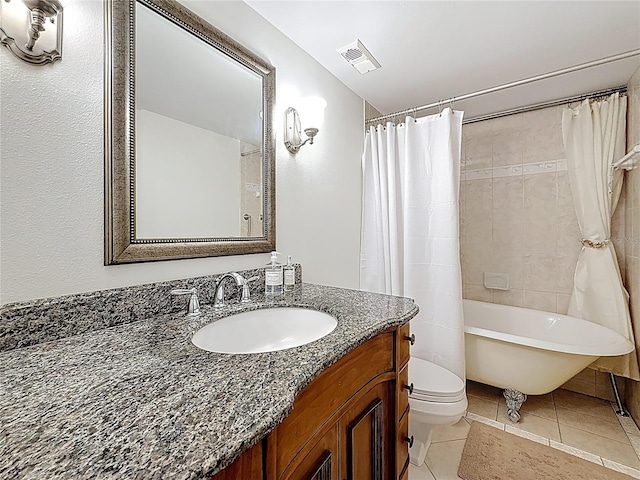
(577, 424)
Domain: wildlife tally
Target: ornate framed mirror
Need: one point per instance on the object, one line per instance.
(189, 140)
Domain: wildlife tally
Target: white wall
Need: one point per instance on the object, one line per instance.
(51, 167)
(187, 180)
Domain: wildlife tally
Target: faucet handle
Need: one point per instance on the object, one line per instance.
(194, 304)
(246, 292)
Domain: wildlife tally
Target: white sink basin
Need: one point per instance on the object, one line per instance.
(264, 330)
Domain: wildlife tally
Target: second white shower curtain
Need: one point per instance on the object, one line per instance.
(594, 138)
(410, 242)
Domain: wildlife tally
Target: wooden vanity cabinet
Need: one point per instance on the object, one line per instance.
(403, 344)
(350, 423)
(248, 466)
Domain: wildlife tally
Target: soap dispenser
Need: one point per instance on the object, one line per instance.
(273, 280)
(289, 275)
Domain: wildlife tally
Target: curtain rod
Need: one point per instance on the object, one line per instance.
(552, 103)
(544, 76)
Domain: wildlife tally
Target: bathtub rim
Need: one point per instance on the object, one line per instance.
(622, 347)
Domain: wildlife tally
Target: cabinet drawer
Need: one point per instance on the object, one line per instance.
(403, 345)
(402, 398)
(324, 397)
(402, 446)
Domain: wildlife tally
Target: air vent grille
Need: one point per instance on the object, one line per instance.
(359, 57)
(352, 54)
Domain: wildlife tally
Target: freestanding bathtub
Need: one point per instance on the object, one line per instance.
(531, 351)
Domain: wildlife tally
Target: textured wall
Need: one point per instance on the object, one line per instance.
(51, 204)
(632, 277)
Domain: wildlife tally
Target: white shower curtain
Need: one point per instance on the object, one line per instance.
(594, 138)
(410, 242)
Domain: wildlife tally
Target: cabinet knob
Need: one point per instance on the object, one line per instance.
(411, 339)
(410, 388)
(409, 440)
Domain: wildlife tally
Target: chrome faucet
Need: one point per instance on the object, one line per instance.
(218, 297)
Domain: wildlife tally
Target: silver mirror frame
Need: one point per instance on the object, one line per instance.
(121, 245)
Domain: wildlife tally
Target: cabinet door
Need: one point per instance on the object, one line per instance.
(321, 463)
(365, 430)
(326, 396)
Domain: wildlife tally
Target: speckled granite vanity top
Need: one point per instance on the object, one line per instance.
(139, 400)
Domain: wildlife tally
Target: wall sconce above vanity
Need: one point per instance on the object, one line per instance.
(32, 29)
(312, 112)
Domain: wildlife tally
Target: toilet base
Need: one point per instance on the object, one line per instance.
(418, 452)
(421, 425)
(438, 399)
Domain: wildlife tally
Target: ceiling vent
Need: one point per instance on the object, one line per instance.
(359, 57)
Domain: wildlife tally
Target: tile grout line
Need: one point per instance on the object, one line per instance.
(605, 462)
(637, 450)
(432, 474)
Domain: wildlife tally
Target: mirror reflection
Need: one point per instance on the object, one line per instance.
(198, 137)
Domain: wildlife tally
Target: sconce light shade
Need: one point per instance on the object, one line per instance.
(32, 29)
(311, 111)
(313, 108)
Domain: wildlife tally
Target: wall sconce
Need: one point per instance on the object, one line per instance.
(24, 32)
(312, 111)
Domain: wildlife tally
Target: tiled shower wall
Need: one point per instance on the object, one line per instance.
(517, 217)
(516, 211)
(632, 274)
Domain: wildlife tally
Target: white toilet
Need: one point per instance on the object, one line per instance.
(438, 398)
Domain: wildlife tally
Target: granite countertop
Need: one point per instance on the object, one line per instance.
(139, 400)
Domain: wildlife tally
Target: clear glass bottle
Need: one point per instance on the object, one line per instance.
(273, 281)
(289, 275)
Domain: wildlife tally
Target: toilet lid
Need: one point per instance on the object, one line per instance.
(434, 383)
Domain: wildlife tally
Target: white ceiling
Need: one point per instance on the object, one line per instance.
(434, 50)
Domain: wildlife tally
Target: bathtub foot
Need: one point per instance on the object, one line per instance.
(515, 399)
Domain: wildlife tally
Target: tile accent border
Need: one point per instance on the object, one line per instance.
(528, 435)
(514, 170)
(576, 452)
(634, 438)
(486, 421)
(632, 472)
